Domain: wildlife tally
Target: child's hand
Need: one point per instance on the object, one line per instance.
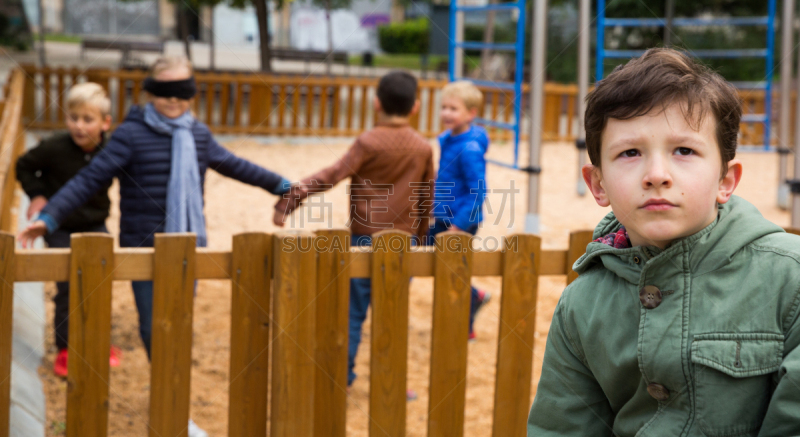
(278, 218)
(37, 204)
(32, 232)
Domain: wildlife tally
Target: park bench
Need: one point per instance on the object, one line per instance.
(124, 46)
(308, 56)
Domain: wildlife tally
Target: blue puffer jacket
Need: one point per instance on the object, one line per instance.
(141, 159)
(461, 182)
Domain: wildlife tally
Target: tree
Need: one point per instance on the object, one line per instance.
(329, 5)
(262, 13)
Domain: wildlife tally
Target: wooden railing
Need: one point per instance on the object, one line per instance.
(12, 143)
(312, 105)
(293, 274)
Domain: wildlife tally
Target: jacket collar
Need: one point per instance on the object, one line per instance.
(738, 224)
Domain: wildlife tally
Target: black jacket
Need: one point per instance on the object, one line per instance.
(46, 168)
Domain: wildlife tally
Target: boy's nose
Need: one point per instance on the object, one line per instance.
(657, 175)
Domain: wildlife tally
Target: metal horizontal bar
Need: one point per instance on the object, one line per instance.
(497, 124)
(762, 85)
(503, 164)
(490, 84)
(754, 118)
(495, 7)
(741, 53)
(482, 45)
(685, 22)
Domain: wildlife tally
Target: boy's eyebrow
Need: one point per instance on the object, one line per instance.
(672, 139)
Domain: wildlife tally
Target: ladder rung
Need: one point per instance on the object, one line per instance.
(497, 124)
(490, 84)
(754, 118)
(495, 7)
(684, 22)
(740, 53)
(482, 45)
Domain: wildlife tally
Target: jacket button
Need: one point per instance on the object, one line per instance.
(658, 391)
(650, 296)
(636, 259)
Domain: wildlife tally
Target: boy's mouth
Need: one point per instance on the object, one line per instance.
(657, 205)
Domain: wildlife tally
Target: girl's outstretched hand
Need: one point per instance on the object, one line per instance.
(34, 230)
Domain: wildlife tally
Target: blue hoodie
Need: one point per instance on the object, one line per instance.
(461, 182)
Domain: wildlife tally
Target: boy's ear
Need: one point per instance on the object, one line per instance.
(376, 104)
(473, 112)
(106, 122)
(415, 109)
(730, 181)
(594, 180)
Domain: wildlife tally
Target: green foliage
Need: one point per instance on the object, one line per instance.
(410, 37)
(12, 35)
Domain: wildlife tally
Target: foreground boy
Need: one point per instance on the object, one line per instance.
(683, 321)
(43, 170)
(391, 171)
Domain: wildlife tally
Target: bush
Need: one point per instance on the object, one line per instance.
(410, 37)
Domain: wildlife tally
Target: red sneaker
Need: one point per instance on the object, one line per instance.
(114, 356)
(60, 366)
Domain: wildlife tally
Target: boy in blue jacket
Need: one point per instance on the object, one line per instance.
(461, 181)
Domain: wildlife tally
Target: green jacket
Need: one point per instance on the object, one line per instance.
(709, 348)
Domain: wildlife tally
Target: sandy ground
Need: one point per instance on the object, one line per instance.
(232, 207)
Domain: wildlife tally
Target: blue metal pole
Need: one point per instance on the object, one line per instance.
(451, 59)
(601, 38)
(520, 43)
(770, 55)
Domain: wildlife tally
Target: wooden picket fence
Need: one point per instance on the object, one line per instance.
(250, 103)
(291, 275)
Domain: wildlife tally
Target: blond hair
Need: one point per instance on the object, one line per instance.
(165, 63)
(89, 93)
(466, 91)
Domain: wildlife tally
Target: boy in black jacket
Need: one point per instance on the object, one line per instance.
(43, 170)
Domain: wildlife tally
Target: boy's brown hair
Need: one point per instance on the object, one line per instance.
(661, 77)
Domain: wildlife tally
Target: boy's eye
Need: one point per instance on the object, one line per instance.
(630, 153)
(684, 151)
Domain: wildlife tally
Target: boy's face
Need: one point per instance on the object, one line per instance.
(455, 115)
(660, 176)
(86, 125)
(172, 107)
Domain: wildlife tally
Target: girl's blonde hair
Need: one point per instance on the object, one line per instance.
(165, 63)
(91, 94)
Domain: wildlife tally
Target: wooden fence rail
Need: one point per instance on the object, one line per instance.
(262, 104)
(309, 347)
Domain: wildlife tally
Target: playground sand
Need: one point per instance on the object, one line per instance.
(232, 207)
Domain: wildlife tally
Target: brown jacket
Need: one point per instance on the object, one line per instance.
(392, 181)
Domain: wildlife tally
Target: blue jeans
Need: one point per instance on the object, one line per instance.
(143, 294)
(440, 226)
(360, 297)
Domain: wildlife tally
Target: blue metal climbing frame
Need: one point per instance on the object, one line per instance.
(767, 53)
(517, 47)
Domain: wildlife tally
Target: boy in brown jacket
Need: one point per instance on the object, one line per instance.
(392, 182)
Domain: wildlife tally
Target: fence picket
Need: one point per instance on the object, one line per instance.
(171, 365)
(7, 269)
(333, 295)
(521, 267)
(389, 345)
(91, 265)
(294, 316)
(578, 241)
(451, 302)
(251, 272)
